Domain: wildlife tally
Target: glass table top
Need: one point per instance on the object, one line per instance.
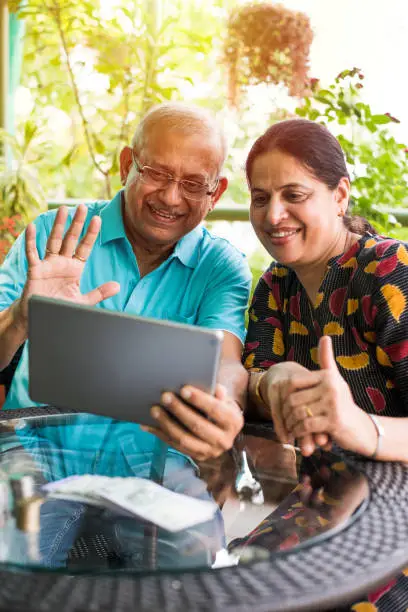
(259, 500)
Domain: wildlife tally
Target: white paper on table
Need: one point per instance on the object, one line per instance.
(137, 496)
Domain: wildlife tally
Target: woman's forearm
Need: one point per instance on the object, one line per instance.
(256, 406)
(263, 387)
(393, 444)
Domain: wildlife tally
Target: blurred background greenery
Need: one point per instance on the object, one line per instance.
(91, 69)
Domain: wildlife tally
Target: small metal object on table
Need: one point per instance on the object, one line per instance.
(327, 574)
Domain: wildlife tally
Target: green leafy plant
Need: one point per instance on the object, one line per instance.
(105, 67)
(376, 160)
(20, 191)
(267, 43)
(21, 197)
(10, 228)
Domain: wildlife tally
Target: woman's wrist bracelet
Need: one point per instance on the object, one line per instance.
(380, 434)
(258, 395)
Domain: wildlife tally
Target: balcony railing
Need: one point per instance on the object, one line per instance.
(233, 212)
(222, 212)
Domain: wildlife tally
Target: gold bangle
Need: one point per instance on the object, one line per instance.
(257, 388)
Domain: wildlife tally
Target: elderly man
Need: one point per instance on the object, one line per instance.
(145, 253)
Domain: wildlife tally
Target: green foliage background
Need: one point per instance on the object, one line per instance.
(377, 163)
(90, 71)
(103, 69)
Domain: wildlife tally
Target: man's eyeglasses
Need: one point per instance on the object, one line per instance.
(192, 190)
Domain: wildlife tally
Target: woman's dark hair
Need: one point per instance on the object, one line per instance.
(316, 149)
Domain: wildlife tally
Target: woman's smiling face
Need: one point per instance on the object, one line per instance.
(295, 216)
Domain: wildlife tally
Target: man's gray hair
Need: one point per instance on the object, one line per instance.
(186, 118)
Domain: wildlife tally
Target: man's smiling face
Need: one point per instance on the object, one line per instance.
(162, 215)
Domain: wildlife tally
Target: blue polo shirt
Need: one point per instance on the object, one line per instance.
(205, 281)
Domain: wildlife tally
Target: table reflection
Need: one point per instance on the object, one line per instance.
(269, 500)
(328, 495)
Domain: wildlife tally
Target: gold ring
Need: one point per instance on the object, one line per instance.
(80, 258)
(309, 412)
(49, 252)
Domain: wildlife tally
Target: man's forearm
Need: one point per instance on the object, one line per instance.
(12, 334)
(234, 377)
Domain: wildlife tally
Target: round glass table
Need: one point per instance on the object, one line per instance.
(97, 515)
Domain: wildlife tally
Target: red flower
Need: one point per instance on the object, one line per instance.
(394, 119)
(10, 228)
(314, 84)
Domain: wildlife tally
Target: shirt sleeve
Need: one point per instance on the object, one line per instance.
(226, 296)
(13, 272)
(389, 310)
(264, 344)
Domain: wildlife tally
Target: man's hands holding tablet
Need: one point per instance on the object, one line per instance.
(205, 426)
(201, 436)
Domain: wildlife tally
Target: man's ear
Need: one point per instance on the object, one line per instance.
(222, 186)
(342, 196)
(125, 163)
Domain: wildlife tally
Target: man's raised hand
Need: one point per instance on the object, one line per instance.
(58, 274)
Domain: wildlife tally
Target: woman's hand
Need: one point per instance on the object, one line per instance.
(274, 388)
(201, 436)
(321, 402)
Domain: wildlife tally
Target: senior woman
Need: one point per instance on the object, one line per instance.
(327, 342)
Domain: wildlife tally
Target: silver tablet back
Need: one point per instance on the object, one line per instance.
(114, 364)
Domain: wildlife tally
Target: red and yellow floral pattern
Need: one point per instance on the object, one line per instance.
(362, 304)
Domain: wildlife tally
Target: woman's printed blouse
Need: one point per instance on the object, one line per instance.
(362, 304)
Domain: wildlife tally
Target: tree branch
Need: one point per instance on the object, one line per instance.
(123, 129)
(56, 15)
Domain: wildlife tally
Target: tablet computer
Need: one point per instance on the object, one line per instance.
(114, 364)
